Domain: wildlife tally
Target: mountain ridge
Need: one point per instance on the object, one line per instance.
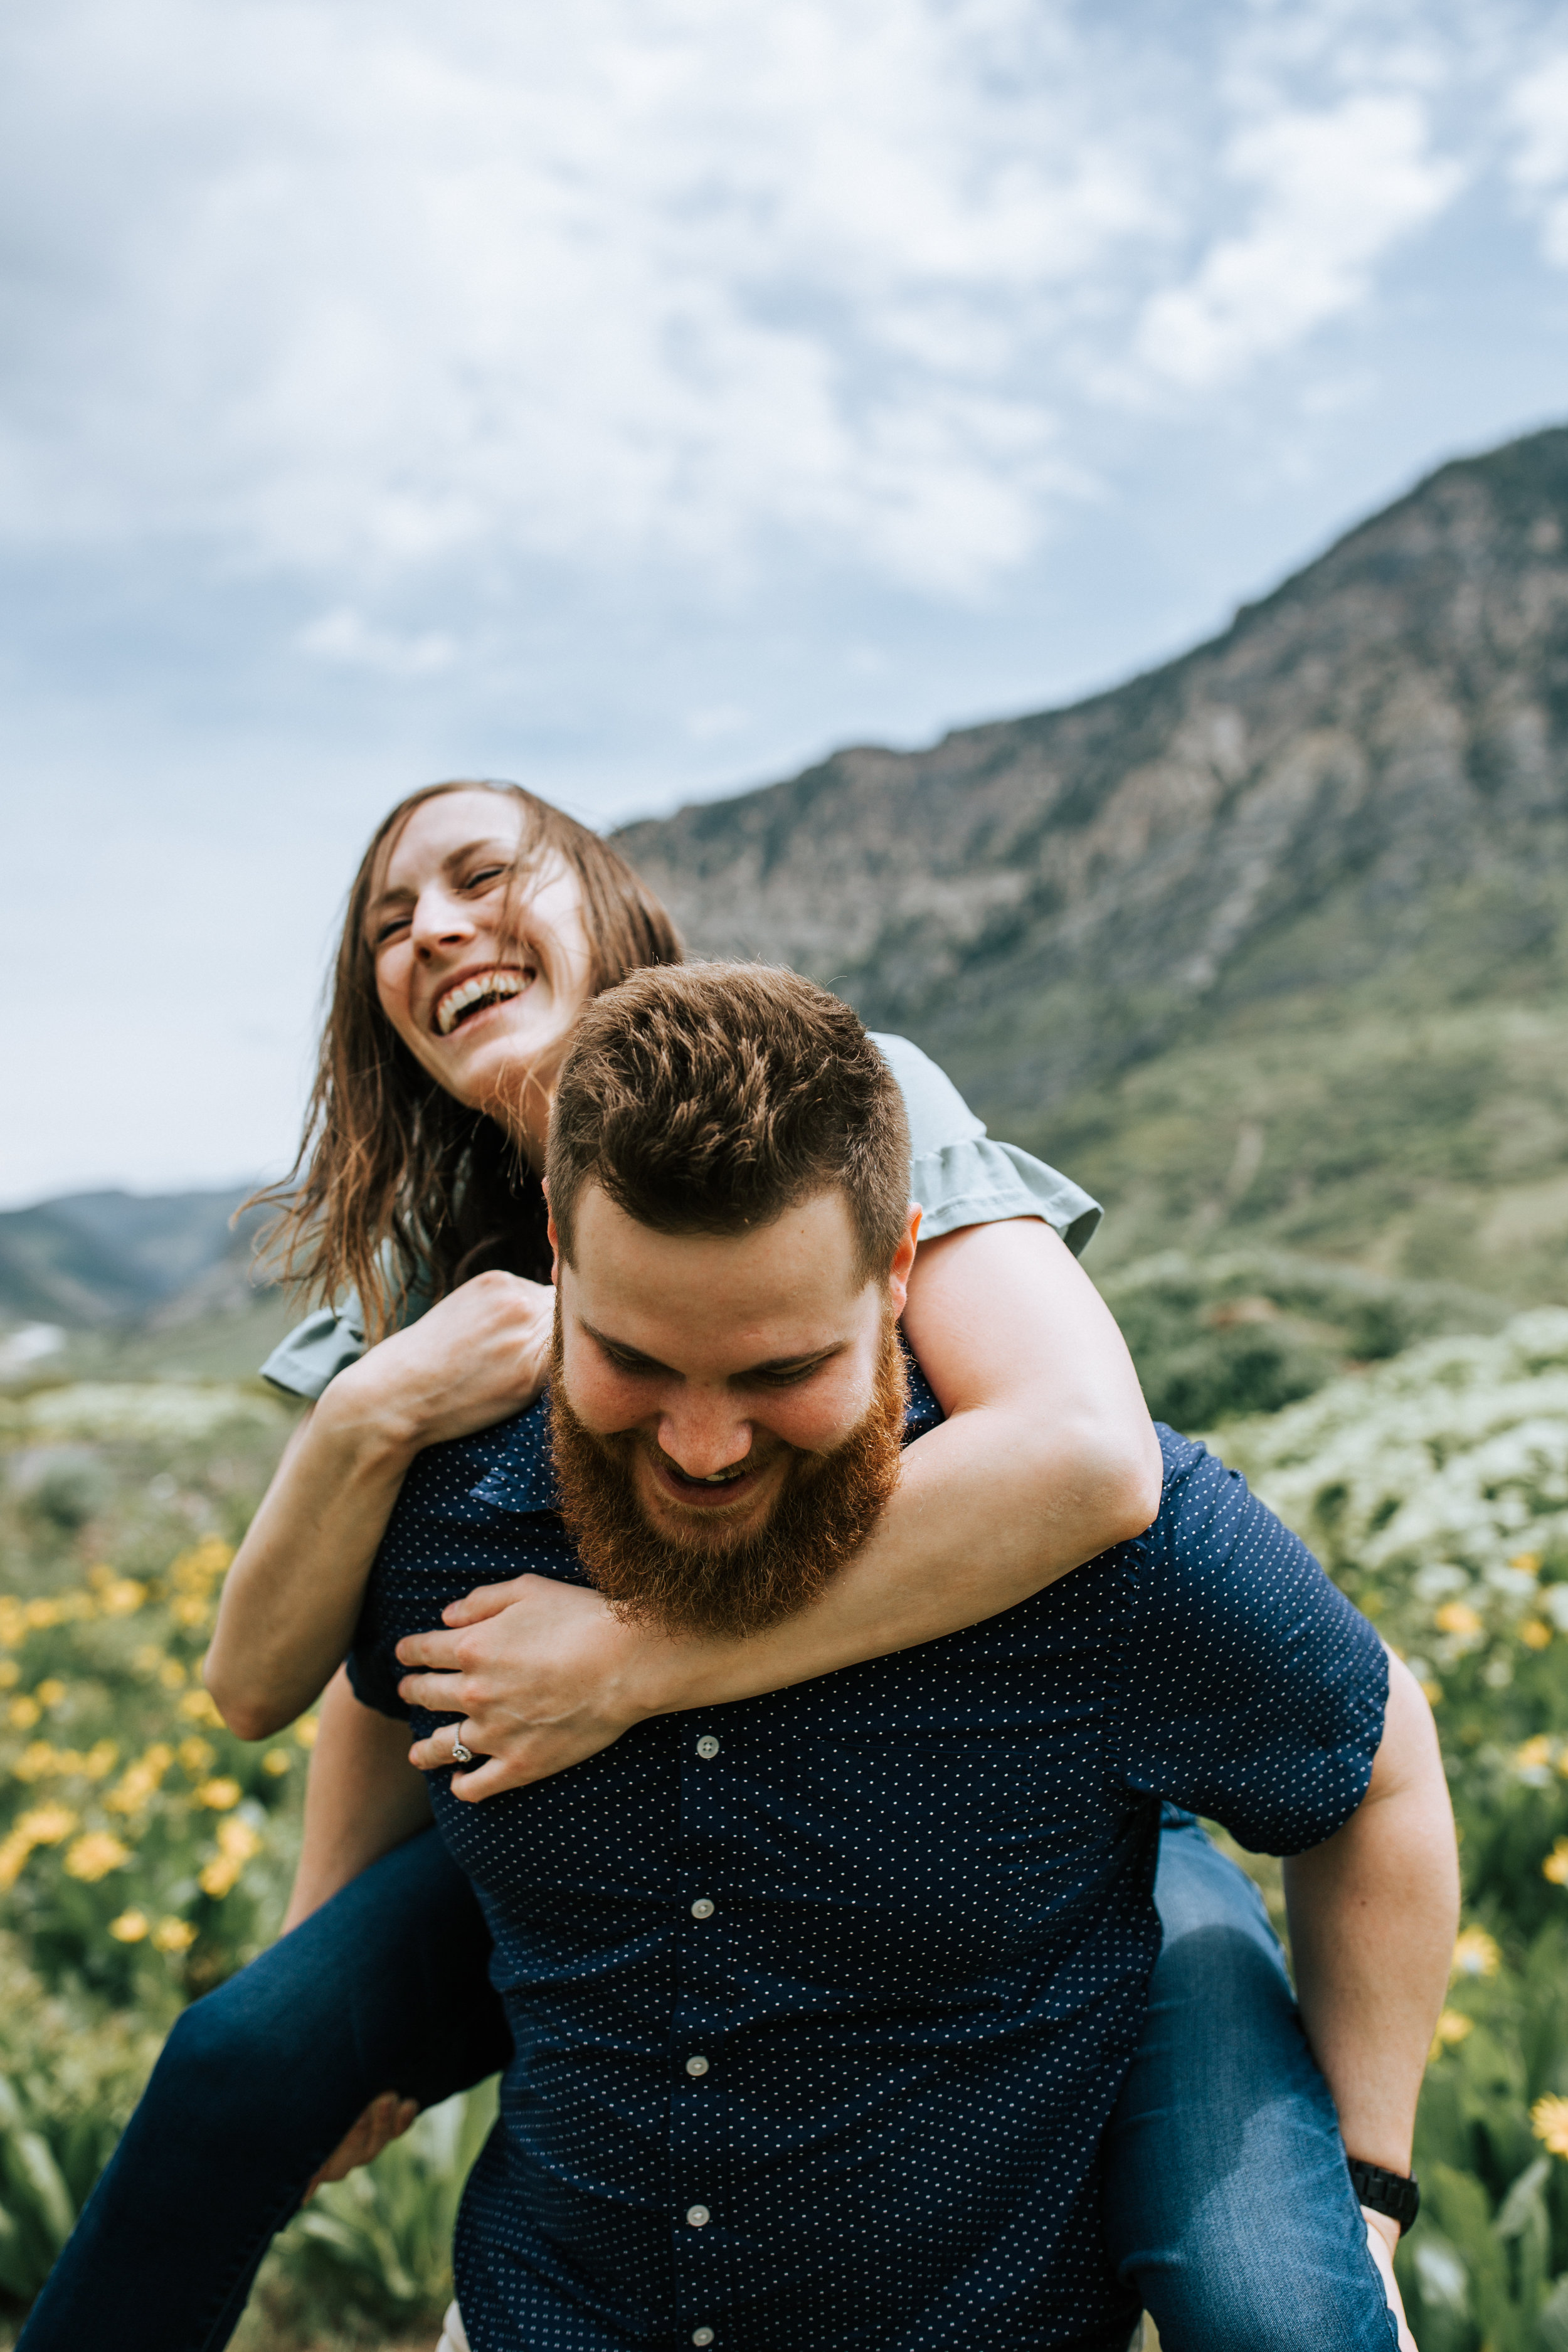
(1391, 719)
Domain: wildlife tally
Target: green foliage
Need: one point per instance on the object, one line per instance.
(1435, 1487)
(70, 2072)
(1251, 1330)
(1422, 1134)
(380, 2243)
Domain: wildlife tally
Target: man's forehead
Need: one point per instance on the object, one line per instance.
(775, 1290)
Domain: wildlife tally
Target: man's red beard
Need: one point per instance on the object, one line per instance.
(826, 1507)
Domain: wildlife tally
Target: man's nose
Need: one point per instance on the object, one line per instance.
(702, 1434)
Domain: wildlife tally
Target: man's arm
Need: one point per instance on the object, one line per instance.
(1373, 1912)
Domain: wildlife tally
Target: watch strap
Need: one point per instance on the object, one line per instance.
(1394, 2193)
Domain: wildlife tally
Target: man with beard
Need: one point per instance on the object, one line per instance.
(821, 1999)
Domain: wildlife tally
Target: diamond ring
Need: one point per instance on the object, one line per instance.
(461, 1755)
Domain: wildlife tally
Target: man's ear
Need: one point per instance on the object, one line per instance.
(555, 1240)
(903, 1261)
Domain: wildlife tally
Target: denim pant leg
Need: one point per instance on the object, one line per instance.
(1228, 2206)
(386, 1987)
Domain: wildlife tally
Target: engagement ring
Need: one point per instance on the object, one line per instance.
(461, 1755)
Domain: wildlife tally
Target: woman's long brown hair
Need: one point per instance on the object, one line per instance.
(396, 1185)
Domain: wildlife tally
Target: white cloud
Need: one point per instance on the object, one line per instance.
(1335, 190)
(349, 293)
(641, 279)
(346, 637)
(1537, 109)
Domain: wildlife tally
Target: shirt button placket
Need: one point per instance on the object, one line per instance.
(696, 2129)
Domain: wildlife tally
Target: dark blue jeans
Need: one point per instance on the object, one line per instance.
(1228, 2207)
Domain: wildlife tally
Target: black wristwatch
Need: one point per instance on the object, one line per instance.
(1386, 2192)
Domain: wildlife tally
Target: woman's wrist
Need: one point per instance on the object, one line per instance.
(369, 1421)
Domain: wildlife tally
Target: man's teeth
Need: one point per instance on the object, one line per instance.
(469, 992)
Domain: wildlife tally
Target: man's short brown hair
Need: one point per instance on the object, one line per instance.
(706, 1098)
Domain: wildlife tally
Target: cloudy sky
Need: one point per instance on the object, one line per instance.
(640, 399)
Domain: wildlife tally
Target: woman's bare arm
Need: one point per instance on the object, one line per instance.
(1047, 1458)
(363, 1797)
(292, 1598)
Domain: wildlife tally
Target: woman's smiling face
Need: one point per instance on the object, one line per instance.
(481, 978)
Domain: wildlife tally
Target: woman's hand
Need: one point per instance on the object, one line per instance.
(480, 1355)
(291, 1599)
(543, 1676)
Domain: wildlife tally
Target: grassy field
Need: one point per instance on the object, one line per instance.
(146, 1854)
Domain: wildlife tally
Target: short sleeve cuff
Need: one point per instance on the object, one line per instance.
(314, 1353)
(980, 1183)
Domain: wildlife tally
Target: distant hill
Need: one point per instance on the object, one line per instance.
(134, 1285)
(1268, 944)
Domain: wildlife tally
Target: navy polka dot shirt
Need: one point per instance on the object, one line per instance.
(821, 1999)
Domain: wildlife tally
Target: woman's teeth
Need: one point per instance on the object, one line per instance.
(484, 987)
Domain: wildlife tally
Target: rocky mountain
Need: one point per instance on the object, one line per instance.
(1310, 851)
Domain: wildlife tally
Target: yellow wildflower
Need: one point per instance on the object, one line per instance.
(40, 1614)
(237, 1845)
(49, 1825)
(173, 1936)
(95, 1855)
(305, 1730)
(10, 1673)
(49, 1693)
(1555, 1866)
(197, 1570)
(147, 1659)
(219, 1794)
(1535, 1634)
(13, 1622)
(198, 1756)
(198, 1706)
(188, 1609)
(1452, 2027)
(121, 1597)
(100, 1759)
(276, 1761)
(139, 1783)
(23, 1713)
(172, 1674)
(35, 1762)
(1527, 1563)
(1475, 1954)
(14, 1852)
(130, 1927)
(1459, 1617)
(1533, 1754)
(1549, 2122)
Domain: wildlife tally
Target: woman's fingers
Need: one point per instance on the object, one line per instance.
(487, 1601)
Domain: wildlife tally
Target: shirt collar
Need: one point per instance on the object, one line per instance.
(522, 1475)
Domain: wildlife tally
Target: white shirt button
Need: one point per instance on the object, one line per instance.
(697, 2215)
(697, 2066)
(702, 2336)
(707, 1748)
(703, 1908)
